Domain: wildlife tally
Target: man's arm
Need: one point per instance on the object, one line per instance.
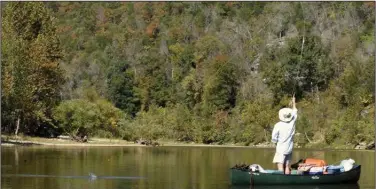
(293, 102)
(294, 110)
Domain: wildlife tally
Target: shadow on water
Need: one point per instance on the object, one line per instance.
(336, 186)
(90, 177)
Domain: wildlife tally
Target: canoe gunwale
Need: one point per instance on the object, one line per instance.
(257, 178)
(355, 168)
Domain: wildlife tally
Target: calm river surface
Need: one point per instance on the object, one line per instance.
(148, 167)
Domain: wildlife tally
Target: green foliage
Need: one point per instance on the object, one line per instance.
(292, 70)
(206, 72)
(121, 88)
(208, 47)
(357, 83)
(154, 84)
(151, 124)
(219, 91)
(249, 9)
(182, 58)
(183, 129)
(83, 117)
(258, 118)
(31, 75)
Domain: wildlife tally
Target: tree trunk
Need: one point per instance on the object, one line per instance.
(305, 133)
(266, 136)
(17, 125)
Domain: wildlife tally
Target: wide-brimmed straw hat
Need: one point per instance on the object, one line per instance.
(285, 114)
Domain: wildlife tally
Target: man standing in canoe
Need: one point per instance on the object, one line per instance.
(283, 136)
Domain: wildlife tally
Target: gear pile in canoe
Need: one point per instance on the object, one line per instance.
(305, 171)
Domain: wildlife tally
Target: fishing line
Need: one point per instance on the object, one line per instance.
(301, 50)
(300, 61)
(211, 77)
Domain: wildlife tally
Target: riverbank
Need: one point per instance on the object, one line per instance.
(35, 141)
(29, 141)
(7, 140)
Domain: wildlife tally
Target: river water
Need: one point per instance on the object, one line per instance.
(40, 167)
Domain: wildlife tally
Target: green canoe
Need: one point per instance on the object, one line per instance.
(242, 177)
(306, 186)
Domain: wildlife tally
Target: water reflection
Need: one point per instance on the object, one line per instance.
(91, 176)
(163, 167)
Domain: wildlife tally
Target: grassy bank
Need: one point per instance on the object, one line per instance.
(27, 140)
(7, 140)
(11, 140)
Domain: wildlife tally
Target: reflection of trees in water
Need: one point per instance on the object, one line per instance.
(163, 167)
(16, 156)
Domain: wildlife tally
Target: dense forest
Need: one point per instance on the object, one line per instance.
(204, 72)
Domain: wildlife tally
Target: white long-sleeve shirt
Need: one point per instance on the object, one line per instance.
(283, 134)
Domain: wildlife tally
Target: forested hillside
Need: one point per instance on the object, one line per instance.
(205, 72)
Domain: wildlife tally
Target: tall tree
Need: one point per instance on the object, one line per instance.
(121, 88)
(31, 74)
(302, 66)
(220, 85)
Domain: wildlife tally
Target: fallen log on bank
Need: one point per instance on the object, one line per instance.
(371, 146)
(147, 142)
(365, 146)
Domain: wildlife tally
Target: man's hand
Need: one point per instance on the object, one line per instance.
(293, 101)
